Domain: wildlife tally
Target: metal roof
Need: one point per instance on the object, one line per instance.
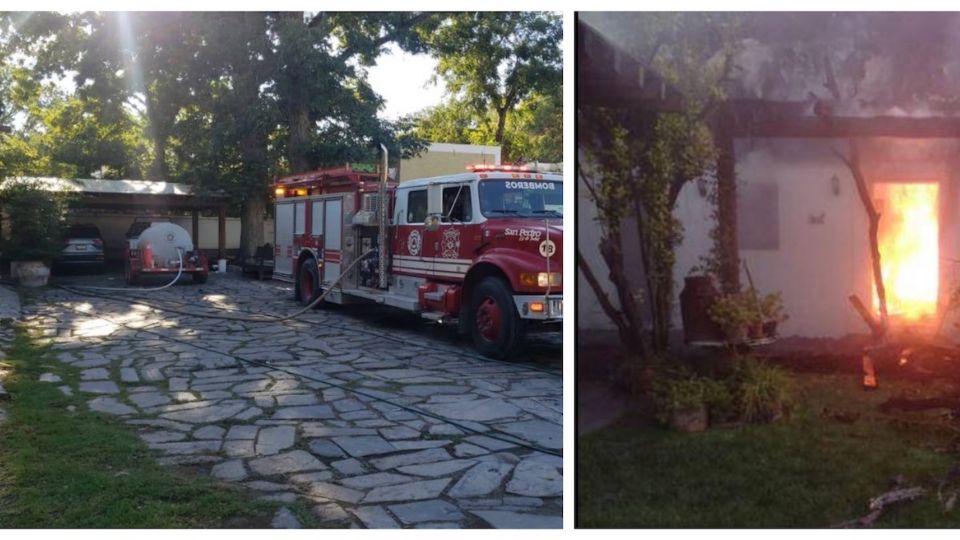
(95, 186)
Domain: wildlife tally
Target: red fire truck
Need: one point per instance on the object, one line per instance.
(482, 249)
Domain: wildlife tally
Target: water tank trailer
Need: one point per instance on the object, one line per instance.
(160, 248)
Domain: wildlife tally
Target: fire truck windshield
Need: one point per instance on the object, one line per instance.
(523, 198)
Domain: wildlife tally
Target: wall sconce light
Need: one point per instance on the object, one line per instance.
(835, 185)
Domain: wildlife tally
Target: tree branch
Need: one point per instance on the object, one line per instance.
(612, 312)
(853, 163)
(388, 37)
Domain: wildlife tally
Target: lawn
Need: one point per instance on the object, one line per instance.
(85, 470)
(816, 468)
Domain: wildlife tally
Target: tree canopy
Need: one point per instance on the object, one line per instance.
(229, 100)
(504, 74)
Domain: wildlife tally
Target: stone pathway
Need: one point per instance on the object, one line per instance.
(342, 412)
(9, 313)
(9, 304)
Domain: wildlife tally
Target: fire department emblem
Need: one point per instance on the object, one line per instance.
(451, 243)
(413, 242)
(547, 248)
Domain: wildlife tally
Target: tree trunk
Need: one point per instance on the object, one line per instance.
(160, 171)
(253, 147)
(298, 142)
(853, 163)
(252, 214)
(501, 124)
(728, 248)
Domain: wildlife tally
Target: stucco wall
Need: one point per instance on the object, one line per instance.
(440, 159)
(113, 227)
(590, 315)
(822, 254)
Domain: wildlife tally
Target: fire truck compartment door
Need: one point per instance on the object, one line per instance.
(332, 236)
(284, 239)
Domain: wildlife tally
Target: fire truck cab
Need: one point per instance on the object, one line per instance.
(481, 249)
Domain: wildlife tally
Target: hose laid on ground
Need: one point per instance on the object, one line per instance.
(493, 434)
(263, 318)
(179, 273)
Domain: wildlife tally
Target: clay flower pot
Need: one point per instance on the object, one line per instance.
(689, 419)
(31, 273)
(770, 328)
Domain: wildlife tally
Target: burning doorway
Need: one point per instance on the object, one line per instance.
(909, 242)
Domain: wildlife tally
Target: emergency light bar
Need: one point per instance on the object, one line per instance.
(508, 168)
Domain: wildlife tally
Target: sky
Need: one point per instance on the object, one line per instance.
(402, 79)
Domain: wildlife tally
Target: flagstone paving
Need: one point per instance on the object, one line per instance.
(375, 421)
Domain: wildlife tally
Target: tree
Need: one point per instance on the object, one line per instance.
(328, 117)
(496, 60)
(227, 100)
(636, 162)
(534, 132)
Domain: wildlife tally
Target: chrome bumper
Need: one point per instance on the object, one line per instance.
(552, 306)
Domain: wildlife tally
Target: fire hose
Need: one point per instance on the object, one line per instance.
(174, 280)
(263, 318)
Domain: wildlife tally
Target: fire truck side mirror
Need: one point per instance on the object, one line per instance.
(432, 222)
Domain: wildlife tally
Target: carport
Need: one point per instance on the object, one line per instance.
(145, 198)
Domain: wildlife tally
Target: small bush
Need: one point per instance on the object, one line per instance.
(759, 390)
(36, 220)
(680, 389)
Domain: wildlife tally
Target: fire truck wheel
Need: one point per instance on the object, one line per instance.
(199, 277)
(308, 282)
(497, 329)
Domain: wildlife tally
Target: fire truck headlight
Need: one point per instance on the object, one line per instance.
(541, 279)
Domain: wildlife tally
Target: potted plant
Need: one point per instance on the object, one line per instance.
(773, 313)
(681, 403)
(36, 228)
(735, 313)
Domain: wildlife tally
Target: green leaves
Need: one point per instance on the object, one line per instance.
(495, 60)
(36, 221)
(532, 132)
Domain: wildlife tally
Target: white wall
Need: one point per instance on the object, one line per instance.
(590, 316)
(818, 265)
(113, 227)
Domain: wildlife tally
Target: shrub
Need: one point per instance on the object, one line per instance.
(759, 390)
(772, 305)
(734, 312)
(738, 311)
(681, 389)
(36, 219)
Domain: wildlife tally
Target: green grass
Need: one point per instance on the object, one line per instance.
(809, 470)
(86, 470)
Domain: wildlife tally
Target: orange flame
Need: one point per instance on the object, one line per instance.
(909, 248)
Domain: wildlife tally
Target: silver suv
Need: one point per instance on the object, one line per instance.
(84, 246)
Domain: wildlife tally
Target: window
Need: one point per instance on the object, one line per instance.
(316, 219)
(758, 219)
(370, 202)
(300, 218)
(506, 198)
(457, 207)
(417, 206)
